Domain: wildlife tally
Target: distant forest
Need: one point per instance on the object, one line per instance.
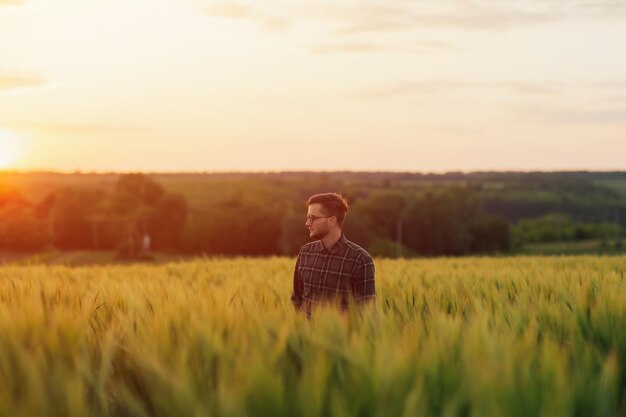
(392, 214)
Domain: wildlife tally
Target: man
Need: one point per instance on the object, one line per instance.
(331, 270)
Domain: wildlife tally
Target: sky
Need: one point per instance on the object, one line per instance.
(274, 85)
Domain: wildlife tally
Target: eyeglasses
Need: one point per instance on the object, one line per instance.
(312, 218)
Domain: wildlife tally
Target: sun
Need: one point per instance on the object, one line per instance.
(10, 148)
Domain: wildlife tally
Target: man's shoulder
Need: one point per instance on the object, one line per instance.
(357, 251)
(308, 247)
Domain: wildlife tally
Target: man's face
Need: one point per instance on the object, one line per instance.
(319, 227)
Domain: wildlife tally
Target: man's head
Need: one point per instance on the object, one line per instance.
(326, 212)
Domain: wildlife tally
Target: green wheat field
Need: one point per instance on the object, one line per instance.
(516, 336)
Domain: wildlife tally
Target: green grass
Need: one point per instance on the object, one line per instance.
(618, 185)
(514, 336)
(83, 258)
(571, 248)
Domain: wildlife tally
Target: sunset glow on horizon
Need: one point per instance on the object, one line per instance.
(10, 149)
(201, 85)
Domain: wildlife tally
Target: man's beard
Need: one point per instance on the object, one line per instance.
(320, 234)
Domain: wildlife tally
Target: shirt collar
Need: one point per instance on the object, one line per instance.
(333, 249)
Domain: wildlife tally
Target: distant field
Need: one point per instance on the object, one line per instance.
(82, 258)
(618, 185)
(199, 187)
(572, 248)
(523, 336)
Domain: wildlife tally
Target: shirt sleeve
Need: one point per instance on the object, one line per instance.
(298, 286)
(363, 284)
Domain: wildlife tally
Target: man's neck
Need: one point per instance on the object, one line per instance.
(331, 238)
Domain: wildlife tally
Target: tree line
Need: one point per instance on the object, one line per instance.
(438, 221)
(81, 218)
(392, 214)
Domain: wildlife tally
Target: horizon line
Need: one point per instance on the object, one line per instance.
(306, 171)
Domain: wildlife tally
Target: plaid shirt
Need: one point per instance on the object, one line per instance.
(337, 274)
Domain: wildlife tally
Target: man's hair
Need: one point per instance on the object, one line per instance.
(333, 204)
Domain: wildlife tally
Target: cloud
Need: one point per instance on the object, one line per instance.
(350, 48)
(10, 81)
(424, 45)
(367, 47)
(74, 128)
(403, 16)
(611, 85)
(412, 88)
(602, 7)
(466, 15)
(404, 88)
(363, 17)
(232, 11)
(590, 112)
(238, 11)
(609, 116)
(533, 88)
(620, 99)
(276, 23)
(485, 19)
